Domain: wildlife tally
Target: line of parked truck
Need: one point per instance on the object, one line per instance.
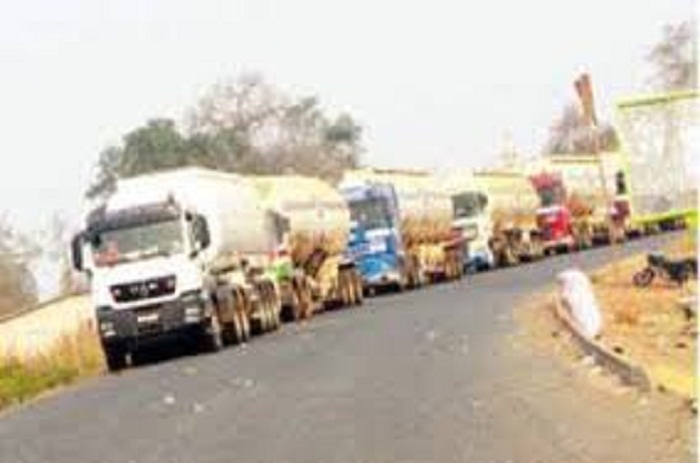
(213, 257)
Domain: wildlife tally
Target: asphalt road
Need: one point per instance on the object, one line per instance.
(417, 377)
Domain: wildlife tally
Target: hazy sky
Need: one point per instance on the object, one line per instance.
(435, 84)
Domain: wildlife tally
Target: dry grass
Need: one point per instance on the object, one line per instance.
(647, 324)
(73, 357)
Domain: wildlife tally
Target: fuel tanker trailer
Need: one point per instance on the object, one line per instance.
(402, 228)
(511, 203)
(174, 255)
(311, 264)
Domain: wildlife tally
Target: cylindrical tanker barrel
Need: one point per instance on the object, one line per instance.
(425, 208)
(228, 202)
(512, 199)
(319, 218)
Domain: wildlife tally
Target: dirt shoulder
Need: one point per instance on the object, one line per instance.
(649, 325)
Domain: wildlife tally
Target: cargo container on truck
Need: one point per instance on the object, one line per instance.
(174, 254)
(660, 135)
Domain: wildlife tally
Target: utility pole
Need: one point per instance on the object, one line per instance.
(584, 89)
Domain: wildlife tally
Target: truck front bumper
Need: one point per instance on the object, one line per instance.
(150, 322)
(479, 259)
(564, 243)
(381, 279)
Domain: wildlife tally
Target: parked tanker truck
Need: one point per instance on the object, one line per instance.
(496, 208)
(471, 218)
(311, 265)
(178, 254)
(402, 228)
(594, 187)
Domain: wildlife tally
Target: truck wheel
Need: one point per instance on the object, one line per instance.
(245, 321)
(295, 308)
(273, 308)
(270, 308)
(357, 288)
(306, 302)
(276, 312)
(115, 358)
(261, 324)
(226, 302)
(241, 322)
(212, 335)
(344, 289)
(242, 328)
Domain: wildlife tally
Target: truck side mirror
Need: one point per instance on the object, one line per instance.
(201, 232)
(76, 248)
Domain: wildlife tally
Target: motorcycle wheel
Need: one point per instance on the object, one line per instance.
(643, 278)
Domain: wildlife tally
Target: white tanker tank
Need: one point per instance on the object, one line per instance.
(168, 254)
(237, 222)
(318, 217)
(316, 229)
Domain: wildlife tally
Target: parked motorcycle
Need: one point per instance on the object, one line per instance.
(658, 265)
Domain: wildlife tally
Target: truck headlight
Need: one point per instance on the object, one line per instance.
(193, 303)
(107, 329)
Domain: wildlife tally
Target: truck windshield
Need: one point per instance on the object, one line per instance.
(137, 242)
(370, 213)
(548, 196)
(467, 205)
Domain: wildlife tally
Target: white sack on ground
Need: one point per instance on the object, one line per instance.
(576, 291)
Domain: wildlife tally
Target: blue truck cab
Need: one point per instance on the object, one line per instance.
(375, 239)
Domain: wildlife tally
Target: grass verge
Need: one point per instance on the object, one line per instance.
(73, 357)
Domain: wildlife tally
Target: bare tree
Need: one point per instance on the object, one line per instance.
(674, 58)
(275, 132)
(55, 247)
(244, 125)
(569, 134)
(17, 284)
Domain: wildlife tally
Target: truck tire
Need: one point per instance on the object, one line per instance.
(359, 297)
(226, 302)
(242, 328)
(273, 307)
(262, 322)
(115, 357)
(241, 322)
(306, 302)
(344, 289)
(212, 337)
(295, 308)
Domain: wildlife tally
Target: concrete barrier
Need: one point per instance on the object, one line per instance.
(35, 332)
(624, 368)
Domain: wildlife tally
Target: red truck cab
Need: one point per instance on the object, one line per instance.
(554, 220)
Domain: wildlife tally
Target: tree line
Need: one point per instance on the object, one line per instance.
(244, 125)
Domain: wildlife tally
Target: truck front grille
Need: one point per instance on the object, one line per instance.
(146, 289)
